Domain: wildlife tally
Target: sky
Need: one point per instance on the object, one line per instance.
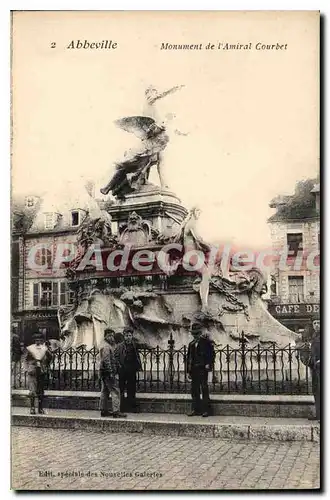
(251, 116)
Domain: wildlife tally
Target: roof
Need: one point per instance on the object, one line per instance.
(71, 198)
(299, 206)
(279, 200)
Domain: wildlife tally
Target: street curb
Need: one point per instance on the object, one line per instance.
(282, 406)
(237, 398)
(255, 432)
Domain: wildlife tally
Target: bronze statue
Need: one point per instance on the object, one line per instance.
(133, 171)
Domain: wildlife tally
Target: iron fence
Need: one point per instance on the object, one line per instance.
(242, 370)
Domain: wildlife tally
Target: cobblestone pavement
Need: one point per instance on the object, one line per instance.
(48, 459)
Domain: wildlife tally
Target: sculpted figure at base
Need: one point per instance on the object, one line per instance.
(188, 236)
(210, 272)
(136, 231)
(96, 230)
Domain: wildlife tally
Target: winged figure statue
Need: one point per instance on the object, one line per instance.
(133, 171)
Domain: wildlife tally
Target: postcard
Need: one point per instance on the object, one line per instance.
(165, 243)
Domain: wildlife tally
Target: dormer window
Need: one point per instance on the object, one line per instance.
(30, 202)
(75, 218)
(49, 220)
(316, 191)
(317, 201)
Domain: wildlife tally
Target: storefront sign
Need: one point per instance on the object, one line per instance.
(294, 309)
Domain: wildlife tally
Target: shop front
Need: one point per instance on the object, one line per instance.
(29, 322)
(294, 316)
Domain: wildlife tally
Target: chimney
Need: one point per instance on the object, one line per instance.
(90, 188)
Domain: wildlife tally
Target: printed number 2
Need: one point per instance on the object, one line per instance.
(53, 45)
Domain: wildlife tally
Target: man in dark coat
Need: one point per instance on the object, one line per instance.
(109, 378)
(200, 359)
(16, 353)
(315, 366)
(16, 350)
(129, 363)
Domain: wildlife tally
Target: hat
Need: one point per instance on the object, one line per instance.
(127, 329)
(38, 336)
(109, 331)
(195, 328)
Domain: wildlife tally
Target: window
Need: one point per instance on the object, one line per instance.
(46, 294)
(49, 220)
(75, 218)
(66, 295)
(296, 289)
(45, 257)
(273, 285)
(52, 293)
(29, 202)
(295, 243)
(317, 201)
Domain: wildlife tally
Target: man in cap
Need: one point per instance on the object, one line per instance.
(16, 350)
(200, 359)
(109, 378)
(315, 366)
(129, 363)
(37, 358)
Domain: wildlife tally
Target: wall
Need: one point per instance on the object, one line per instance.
(310, 230)
(35, 276)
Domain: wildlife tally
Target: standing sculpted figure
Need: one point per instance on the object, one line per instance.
(187, 235)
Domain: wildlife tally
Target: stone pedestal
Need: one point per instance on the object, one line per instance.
(158, 302)
(161, 208)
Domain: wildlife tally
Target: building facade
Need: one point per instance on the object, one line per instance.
(37, 292)
(295, 233)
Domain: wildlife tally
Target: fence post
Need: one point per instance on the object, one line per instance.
(290, 367)
(171, 343)
(259, 369)
(185, 367)
(157, 355)
(243, 341)
(274, 365)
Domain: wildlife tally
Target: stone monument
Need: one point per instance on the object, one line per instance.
(160, 297)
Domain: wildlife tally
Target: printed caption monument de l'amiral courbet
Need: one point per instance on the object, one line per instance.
(110, 44)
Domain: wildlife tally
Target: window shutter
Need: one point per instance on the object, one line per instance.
(72, 297)
(75, 218)
(62, 293)
(48, 258)
(55, 294)
(35, 294)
